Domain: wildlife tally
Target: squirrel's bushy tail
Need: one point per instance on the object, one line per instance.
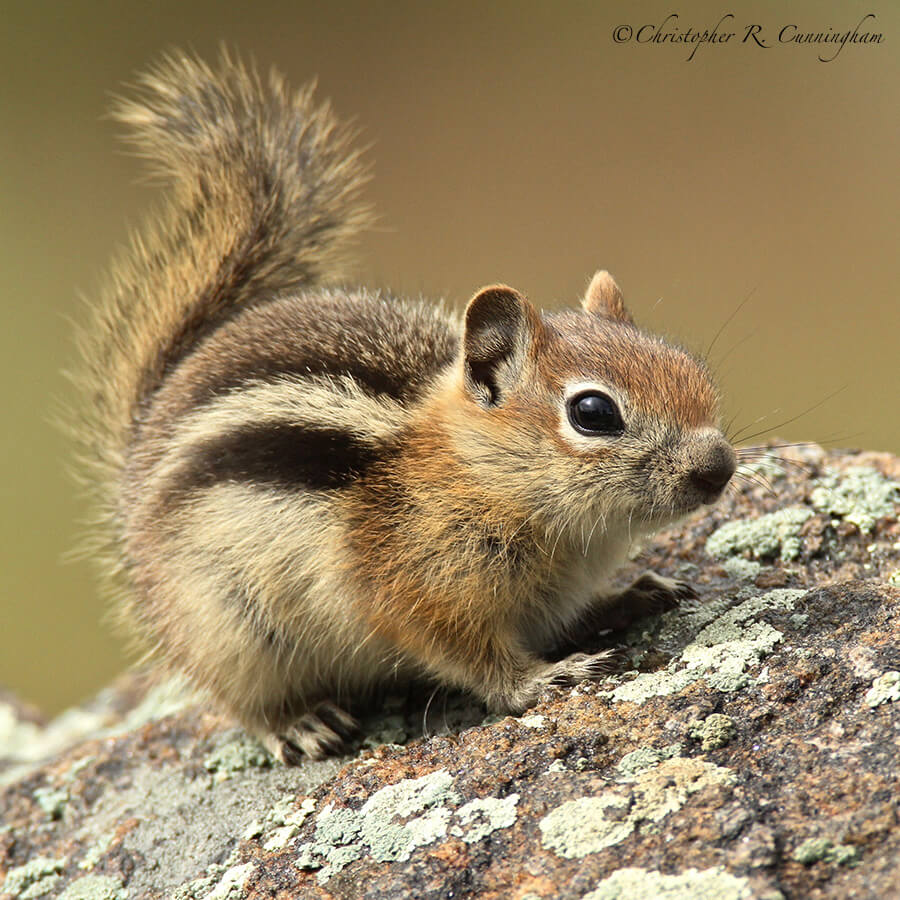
(264, 197)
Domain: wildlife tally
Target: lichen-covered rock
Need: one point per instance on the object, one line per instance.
(751, 753)
(714, 732)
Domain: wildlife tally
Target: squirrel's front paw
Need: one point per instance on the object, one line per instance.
(655, 594)
(586, 667)
(519, 695)
(649, 595)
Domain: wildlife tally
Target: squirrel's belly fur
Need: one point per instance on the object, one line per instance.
(304, 490)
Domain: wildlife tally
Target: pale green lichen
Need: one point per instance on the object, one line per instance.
(692, 884)
(721, 653)
(420, 801)
(843, 855)
(399, 818)
(337, 826)
(52, 800)
(210, 819)
(391, 730)
(667, 681)
(222, 882)
(715, 731)
(96, 851)
(816, 850)
(231, 884)
(536, 721)
(34, 879)
(40, 888)
(243, 752)
(582, 826)
(590, 824)
(388, 840)
(198, 888)
(860, 495)
(730, 644)
(286, 812)
(645, 758)
(741, 569)
(77, 767)
(894, 578)
(286, 821)
(280, 837)
(768, 535)
(885, 689)
(95, 887)
(479, 818)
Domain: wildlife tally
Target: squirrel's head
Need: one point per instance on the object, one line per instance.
(581, 417)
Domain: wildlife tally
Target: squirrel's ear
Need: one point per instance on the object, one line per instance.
(500, 326)
(603, 298)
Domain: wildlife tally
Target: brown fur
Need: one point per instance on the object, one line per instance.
(604, 298)
(310, 489)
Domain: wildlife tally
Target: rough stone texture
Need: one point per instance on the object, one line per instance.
(752, 752)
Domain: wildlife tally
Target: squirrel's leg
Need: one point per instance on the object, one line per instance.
(510, 679)
(256, 677)
(648, 595)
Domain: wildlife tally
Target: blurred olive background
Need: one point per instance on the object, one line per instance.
(510, 141)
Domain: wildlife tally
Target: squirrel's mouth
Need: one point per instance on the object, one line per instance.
(683, 504)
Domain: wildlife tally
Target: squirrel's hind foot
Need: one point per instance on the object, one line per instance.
(315, 735)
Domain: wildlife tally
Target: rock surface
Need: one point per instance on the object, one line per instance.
(752, 752)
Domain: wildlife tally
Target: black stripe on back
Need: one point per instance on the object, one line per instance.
(388, 347)
(283, 455)
(372, 379)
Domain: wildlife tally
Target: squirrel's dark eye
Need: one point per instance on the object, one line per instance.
(595, 413)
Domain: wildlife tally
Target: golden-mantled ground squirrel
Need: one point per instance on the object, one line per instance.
(308, 489)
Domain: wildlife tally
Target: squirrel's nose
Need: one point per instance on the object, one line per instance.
(715, 471)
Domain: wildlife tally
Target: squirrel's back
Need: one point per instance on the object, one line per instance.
(322, 378)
